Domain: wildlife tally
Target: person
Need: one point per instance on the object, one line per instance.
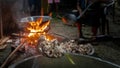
(91, 16)
(53, 6)
(105, 4)
(80, 8)
(35, 7)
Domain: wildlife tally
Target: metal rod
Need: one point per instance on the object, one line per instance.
(85, 10)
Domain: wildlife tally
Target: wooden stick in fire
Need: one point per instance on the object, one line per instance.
(1, 24)
(2, 41)
(12, 53)
(1, 28)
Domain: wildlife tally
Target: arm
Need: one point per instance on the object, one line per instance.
(79, 8)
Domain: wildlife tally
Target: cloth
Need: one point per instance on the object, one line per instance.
(51, 1)
(92, 15)
(35, 7)
(82, 4)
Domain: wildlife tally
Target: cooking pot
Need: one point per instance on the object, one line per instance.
(67, 61)
(23, 21)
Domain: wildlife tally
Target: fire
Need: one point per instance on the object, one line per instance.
(35, 29)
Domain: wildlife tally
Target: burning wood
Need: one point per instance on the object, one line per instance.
(36, 29)
(35, 35)
(33, 30)
(2, 42)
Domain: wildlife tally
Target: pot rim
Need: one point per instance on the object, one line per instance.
(87, 56)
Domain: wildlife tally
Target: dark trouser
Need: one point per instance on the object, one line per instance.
(36, 10)
(91, 20)
(104, 24)
(53, 7)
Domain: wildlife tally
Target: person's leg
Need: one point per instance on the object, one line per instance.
(80, 22)
(37, 7)
(56, 6)
(79, 26)
(57, 10)
(95, 25)
(94, 31)
(31, 5)
(104, 25)
(51, 8)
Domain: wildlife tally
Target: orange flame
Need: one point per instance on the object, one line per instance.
(36, 29)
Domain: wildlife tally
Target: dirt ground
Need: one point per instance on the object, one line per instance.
(107, 50)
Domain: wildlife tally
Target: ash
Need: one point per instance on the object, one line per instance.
(56, 49)
(26, 49)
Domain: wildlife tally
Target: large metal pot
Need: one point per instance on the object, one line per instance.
(22, 23)
(73, 61)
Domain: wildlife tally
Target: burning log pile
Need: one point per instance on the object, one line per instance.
(36, 36)
(56, 49)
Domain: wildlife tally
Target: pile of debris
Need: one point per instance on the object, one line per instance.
(56, 49)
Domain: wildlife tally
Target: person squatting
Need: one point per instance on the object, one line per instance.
(92, 16)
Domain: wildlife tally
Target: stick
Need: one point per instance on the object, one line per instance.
(1, 24)
(2, 41)
(84, 11)
(6, 61)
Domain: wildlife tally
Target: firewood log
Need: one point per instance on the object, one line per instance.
(2, 41)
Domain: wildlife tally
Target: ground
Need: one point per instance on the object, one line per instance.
(107, 50)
